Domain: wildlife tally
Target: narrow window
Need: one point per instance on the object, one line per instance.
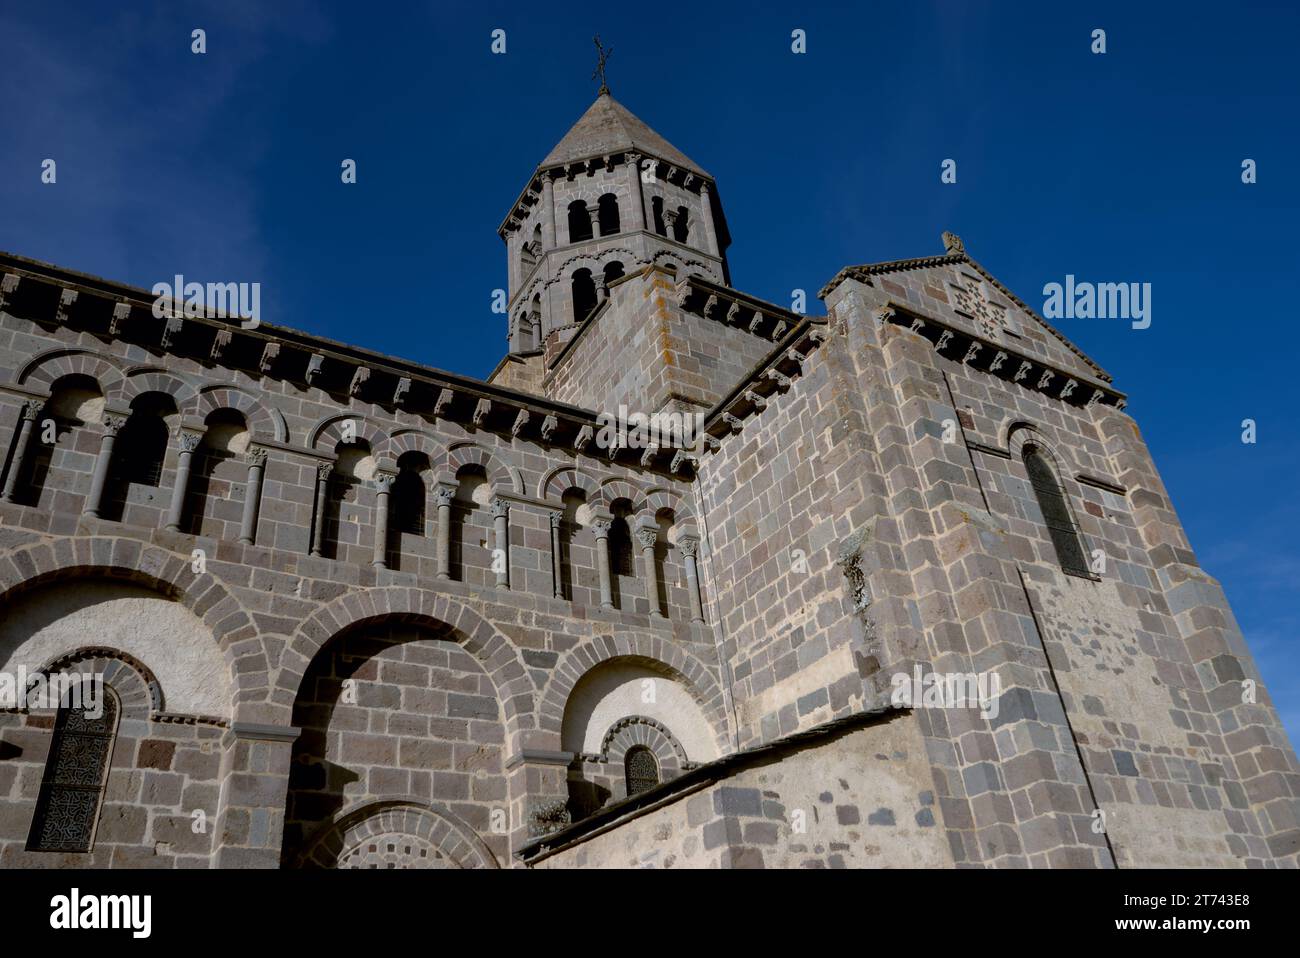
(1056, 512)
(76, 772)
(641, 769)
(406, 506)
(579, 222)
(681, 225)
(584, 294)
(620, 547)
(607, 213)
(138, 457)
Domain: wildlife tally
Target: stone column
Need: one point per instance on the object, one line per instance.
(602, 291)
(501, 540)
(383, 486)
(647, 198)
(670, 221)
(601, 528)
(635, 200)
(689, 546)
(189, 441)
(251, 803)
(557, 573)
(648, 534)
(323, 473)
(548, 212)
(710, 231)
(112, 426)
(256, 459)
(538, 791)
(444, 493)
(31, 409)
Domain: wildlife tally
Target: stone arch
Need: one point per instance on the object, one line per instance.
(137, 688)
(409, 440)
(502, 476)
(145, 379)
(659, 498)
(680, 264)
(328, 433)
(434, 829)
(265, 424)
(479, 637)
(1022, 436)
(563, 478)
(595, 261)
(156, 569)
(45, 368)
(654, 652)
(1020, 433)
(642, 730)
(611, 490)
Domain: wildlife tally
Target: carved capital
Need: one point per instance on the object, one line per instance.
(444, 495)
(689, 546)
(188, 441)
(32, 408)
(383, 482)
(324, 471)
(113, 424)
(256, 456)
(500, 508)
(600, 528)
(556, 517)
(647, 536)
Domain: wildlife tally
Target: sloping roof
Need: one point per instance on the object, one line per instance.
(610, 127)
(953, 258)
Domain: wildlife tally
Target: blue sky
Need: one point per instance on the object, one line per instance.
(1123, 167)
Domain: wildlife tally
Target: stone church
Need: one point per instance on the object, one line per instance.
(348, 610)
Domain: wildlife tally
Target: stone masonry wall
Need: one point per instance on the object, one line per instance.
(860, 799)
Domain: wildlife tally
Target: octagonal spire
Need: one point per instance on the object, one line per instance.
(610, 127)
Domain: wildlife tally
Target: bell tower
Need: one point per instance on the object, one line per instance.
(611, 198)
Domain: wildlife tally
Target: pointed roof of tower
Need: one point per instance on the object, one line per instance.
(610, 127)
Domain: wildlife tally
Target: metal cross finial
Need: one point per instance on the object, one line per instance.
(599, 72)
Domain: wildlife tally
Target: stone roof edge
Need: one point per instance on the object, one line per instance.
(809, 333)
(951, 259)
(112, 289)
(561, 169)
(695, 778)
(546, 410)
(894, 307)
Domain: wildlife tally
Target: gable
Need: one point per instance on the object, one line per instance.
(957, 291)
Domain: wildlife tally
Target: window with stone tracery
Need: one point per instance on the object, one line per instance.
(76, 772)
(641, 769)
